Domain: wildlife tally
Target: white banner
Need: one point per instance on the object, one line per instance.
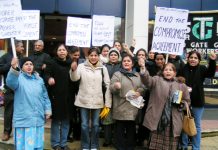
(29, 25)
(78, 32)
(170, 30)
(9, 16)
(103, 30)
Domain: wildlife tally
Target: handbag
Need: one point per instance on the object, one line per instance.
(188, 123)
(104, 88)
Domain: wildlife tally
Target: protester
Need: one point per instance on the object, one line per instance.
(114, 61)
(112, 66)
(57, 76)
(163, 116)
(123, 111)
(75, 121)
(39, 57)
(195, 74)
(117, 45)
(151, 55)
(141, 53)
(90, 96)
(104, 53)
(5, 64)
(157, 66)
(124, 48)
(142, 132)
(31, 105)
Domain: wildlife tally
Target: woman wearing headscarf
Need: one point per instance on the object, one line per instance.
(31, 105)
(123, 112)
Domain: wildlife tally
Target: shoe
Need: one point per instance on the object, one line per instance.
(5, 137)
(57, 148)
(70, 139)
(65, 148)
(105, 144)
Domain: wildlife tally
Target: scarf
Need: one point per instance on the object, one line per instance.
(128, 73)
(93, 66)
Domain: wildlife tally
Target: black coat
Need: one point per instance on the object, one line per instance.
(5, 64)
(178, 63)
(40, 58)
(60, 93)
(194, 77)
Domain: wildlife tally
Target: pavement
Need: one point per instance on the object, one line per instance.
(209, 134)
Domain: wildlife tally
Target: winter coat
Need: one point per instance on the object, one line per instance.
(60, 93)
(39, 58)
(195, 77)
(122, 109)
(31, 102)
(160, 90)
(90, 89)
(178, 63)
(112, 68)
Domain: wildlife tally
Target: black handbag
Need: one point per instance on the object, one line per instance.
(104, 88)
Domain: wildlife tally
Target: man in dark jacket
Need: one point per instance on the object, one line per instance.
(39, 58)
(5, 64)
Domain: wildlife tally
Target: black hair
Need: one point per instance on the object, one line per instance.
(195, 52)
(73, 49)
(94, 49)
(103, 46)
(127, 55)
(155, 55)
(141, 49)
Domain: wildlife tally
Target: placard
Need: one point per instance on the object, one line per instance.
(78, 32)
(9, 16)
(170, 30)
(29, 25)
(103, 30)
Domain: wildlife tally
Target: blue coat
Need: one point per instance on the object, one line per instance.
(31, 101)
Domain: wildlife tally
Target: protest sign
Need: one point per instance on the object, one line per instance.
(170, 30)
(9, 16)
(78, 32)
(202, 36)
(102, 30)
(29, 25)
(202, 33)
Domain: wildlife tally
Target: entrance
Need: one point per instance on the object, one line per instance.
(54, 32)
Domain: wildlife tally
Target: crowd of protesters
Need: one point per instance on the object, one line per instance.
(68, 89)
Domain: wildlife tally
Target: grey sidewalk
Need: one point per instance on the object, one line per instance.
(209, 128)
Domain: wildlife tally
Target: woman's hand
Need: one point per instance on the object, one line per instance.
(137, 94)
(213, 56)
(117, 85)
(141, 62)
(47, 116)
(133, 42)
(51, 81)
(74, 65)
(14, 63)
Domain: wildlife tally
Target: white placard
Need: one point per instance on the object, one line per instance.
(29, 25)
(102, 30)
(78, 32)
(170, 30)
(9, 15)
